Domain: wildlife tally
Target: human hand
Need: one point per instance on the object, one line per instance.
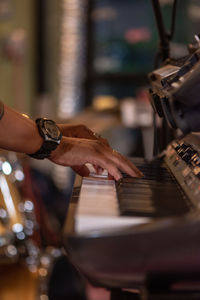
(76, 152)
(81, 131)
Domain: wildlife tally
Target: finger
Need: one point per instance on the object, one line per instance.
(113, 162)
(105, 142)
(98, 169)
(124, 164)
(110, 176)
(110, 166)
(131, 165)
(97, 136)
(81, 170)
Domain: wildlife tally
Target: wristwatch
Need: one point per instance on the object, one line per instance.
(51, 135)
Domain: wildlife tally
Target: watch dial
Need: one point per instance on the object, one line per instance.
(52, 130)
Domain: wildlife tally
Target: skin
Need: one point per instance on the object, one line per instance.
(78, 146)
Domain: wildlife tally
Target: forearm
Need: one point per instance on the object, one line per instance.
(18, 133)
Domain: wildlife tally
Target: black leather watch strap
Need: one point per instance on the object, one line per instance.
(44, 151)
(51, 134)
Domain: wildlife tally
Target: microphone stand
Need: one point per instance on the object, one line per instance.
(165, 37)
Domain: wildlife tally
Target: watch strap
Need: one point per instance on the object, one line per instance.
(45, 150)
(49, 143)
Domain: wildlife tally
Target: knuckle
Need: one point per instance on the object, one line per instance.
(95, 146)
(83, 127)
(105, 141)
(98, 144)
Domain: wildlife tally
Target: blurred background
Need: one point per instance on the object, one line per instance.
(75, 61)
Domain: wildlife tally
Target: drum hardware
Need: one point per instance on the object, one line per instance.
(19, 247)
(17, 216)
(41, 263)
(28, 278)
(4, 218)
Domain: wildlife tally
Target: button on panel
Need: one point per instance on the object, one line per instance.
(184, 160)
(190, 179)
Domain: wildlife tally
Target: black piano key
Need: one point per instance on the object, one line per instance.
(158, 178)
(142, 212)
(143, 183)
(153, 193)
(156, 194)
(165, 192)
(155, 209)
(134, 191)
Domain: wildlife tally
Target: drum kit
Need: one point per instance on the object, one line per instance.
(25, 266)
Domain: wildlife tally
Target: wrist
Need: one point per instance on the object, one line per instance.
(66, 144)
(51, 136)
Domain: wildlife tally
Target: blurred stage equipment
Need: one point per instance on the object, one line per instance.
(175, 92)
(139, 237)
(15, 49)
(20, 251)
(175, 87)
(16, 215)
(71, 70)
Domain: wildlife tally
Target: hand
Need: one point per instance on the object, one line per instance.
(76, 152)
(81, 131)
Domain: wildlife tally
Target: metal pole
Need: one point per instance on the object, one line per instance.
(164, 40)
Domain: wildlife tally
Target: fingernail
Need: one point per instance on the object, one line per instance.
(119, 177)
(141, 174)
(138, 173)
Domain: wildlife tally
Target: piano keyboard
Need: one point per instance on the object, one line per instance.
(98, 207)
(121, 232)
(170, 187)
(156, 194)
(131, 201)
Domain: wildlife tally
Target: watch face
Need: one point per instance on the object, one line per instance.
(51, 129)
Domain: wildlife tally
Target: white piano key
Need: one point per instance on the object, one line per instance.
(89, 222)
(98, 207)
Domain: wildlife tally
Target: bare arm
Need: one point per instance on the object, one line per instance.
(20, 134)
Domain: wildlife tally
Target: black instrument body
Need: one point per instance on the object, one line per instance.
(167, 246)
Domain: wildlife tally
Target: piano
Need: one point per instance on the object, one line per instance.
(121, 234)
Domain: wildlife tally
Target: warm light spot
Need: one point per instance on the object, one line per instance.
(6, 168)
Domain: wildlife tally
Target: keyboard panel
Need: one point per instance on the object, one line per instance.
(157, 194)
